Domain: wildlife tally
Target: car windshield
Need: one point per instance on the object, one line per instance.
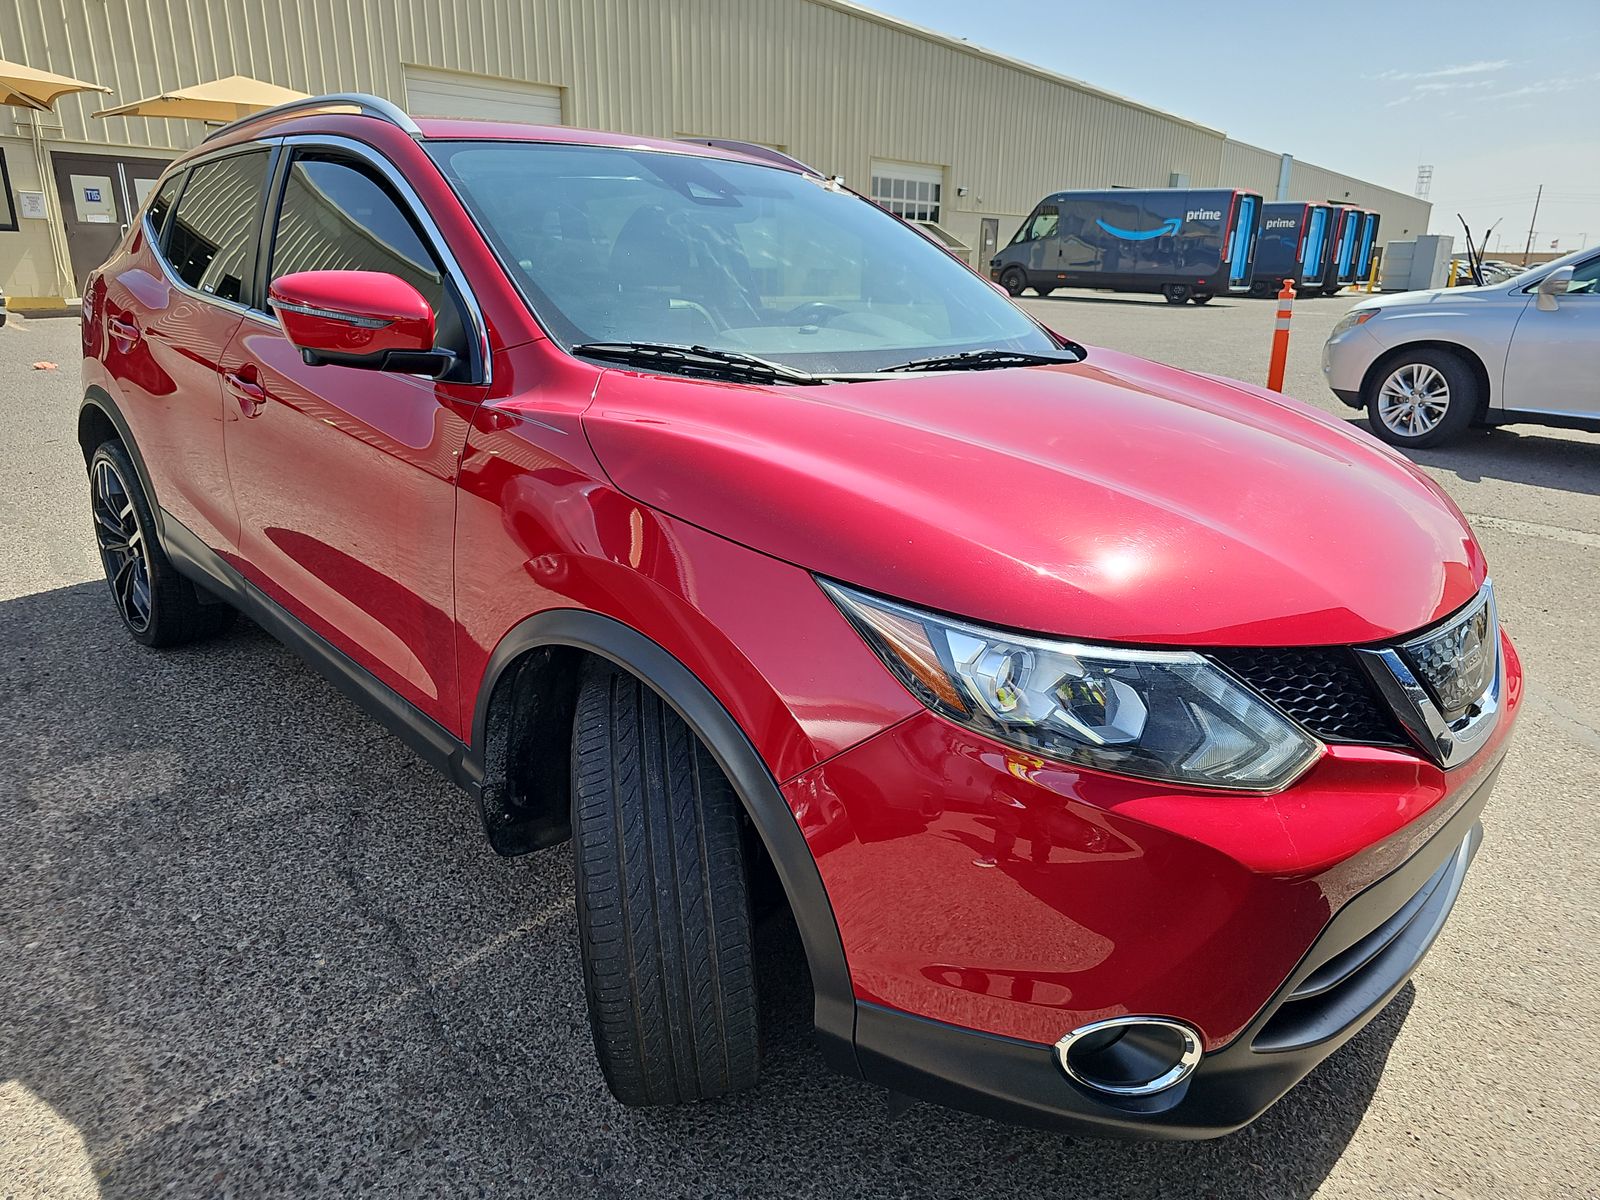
(614, 245)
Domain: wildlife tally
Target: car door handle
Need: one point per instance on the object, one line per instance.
(123, 331)
(246, 387)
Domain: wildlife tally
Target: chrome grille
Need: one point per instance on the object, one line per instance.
(1457, 662)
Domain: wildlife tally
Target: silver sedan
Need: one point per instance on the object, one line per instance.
(1426, 365)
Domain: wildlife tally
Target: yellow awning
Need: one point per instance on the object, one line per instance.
(25, 87)
(220, 100)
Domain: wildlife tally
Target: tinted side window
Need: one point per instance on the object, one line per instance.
(1585, 279)
(340, 215)
(161, 203)
(212, 243)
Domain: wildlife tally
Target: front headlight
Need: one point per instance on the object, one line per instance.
(1356, 316)
(1170, 715)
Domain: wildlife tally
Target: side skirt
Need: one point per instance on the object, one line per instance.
(435, 744)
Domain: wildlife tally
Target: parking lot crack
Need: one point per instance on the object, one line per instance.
(475, 1061)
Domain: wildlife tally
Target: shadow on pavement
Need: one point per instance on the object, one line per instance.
(1080, 298)
(253, 946)
(1525, 454)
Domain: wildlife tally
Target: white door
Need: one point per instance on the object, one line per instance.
(433, 93)
(1554, 362)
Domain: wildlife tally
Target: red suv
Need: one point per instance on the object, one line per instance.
(1116, 735)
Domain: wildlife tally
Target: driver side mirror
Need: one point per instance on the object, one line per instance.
(1551, 286)
(366, 319)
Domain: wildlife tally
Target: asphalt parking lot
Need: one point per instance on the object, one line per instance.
(250, 946)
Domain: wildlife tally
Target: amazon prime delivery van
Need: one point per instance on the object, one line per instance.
(1187, 244)
(1347, 245)
(1296, 243)
(1367, 245)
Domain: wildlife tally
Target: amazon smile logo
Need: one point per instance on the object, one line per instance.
(1167, 228)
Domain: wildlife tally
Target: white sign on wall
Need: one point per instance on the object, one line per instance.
(31, 205)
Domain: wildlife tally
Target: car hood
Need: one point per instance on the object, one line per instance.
(1456, 295)
(1113, 499)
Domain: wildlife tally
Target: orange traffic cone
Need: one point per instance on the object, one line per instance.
(1280, 337)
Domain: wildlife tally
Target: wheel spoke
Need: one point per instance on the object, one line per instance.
(110, 535)
(122, 584)
(140, 595)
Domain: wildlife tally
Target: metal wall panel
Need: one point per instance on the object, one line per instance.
(1249, 167)
(1403, 216)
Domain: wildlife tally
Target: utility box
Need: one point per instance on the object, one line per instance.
(1418, 265)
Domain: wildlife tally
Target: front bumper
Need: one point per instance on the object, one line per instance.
(989, 902)
(1345, 360)
(1358, 964)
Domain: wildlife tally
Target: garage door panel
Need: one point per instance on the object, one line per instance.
(431, 93)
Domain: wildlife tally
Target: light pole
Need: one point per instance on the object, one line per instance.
(1528, 249)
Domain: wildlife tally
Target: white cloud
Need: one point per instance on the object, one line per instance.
(1419, 90)
(1484, 67)
(1544, 87)
(1460, 86)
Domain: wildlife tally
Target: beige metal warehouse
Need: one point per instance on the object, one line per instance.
(960, 138)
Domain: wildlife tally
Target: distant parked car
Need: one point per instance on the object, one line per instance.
(1425, 365)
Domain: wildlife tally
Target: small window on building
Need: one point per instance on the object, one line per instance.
(909, 190)
(212, 244)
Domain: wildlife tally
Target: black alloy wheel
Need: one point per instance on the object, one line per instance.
(124, 548)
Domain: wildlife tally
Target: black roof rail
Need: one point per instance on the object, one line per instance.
(367, 106)
(755, 150)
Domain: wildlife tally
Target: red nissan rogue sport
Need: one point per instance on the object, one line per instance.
(1116, 735)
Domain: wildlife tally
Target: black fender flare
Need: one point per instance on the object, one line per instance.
(834, 1008)
(100, 400)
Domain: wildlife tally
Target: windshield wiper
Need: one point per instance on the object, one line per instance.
(699, 358)
(981, 360)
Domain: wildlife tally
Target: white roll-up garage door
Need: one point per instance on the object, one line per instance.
(431, 93)
(914, 190)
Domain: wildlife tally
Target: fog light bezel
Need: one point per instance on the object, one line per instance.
(1188, 1057)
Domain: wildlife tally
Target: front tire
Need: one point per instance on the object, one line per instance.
(1422, 398)
(663, 901)
(1175, 293)
(158, 606)
(1015, 281)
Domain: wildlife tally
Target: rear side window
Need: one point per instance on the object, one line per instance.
(340, 215)
(165, 195)
(212, 243)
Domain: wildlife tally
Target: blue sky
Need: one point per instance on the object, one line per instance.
(1499, 97)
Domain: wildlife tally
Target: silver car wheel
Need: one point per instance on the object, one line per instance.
(1413, 400)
